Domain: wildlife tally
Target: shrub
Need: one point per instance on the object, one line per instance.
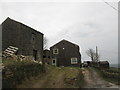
(15, 71)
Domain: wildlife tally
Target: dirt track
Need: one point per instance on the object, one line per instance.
(55, 79)
(93, 80)
(51, 81)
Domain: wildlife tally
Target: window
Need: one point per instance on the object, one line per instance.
(54, 62)
(33, 36)
(73, 60)
(44, 56)
(55, 51)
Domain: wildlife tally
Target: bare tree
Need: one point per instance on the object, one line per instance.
(91, 54)
(45, 43)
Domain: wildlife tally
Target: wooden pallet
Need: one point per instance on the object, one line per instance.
(10, 51)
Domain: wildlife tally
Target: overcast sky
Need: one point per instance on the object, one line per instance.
(87, 24)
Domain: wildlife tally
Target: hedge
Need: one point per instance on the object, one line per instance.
(14, 72)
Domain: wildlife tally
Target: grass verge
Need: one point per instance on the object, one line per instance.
(106, 78)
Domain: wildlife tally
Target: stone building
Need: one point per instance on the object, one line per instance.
(28, 41)
(103, 64)
(65, 53)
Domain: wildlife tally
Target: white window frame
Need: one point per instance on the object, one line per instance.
(54, 63)
(55, 50)
(74, 61)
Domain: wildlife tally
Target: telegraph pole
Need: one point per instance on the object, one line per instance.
(97, 57)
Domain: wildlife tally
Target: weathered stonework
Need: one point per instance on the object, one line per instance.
(27, 40)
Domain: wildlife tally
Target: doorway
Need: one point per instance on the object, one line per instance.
(35, 54)
(54, 62)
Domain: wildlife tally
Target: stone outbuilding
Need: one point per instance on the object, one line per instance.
(104, 64)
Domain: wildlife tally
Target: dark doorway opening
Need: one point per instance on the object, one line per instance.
(53, 61)
(35, 54)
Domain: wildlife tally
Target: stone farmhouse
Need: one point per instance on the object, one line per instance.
(65, 53)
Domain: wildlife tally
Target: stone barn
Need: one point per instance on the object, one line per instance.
(28, 40)
(65, 53)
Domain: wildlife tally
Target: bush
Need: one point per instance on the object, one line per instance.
(14, 72)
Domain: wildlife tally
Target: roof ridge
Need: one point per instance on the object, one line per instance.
(63, 40)
(8, 18)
